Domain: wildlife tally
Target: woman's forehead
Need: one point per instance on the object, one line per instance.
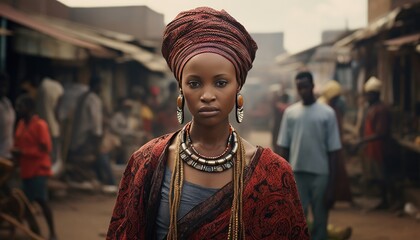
(209, 57)
(209, 63)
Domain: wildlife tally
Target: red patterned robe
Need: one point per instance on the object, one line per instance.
(271, 210)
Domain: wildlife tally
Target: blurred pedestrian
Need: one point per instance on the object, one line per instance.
(85, 149)
(166, 115)
(309, 140)
(7, 118)
(142, 111)
(205, 181)
(87, 126)
(280, 101)
(67, 103)
(376, 137)
(331, 95)
(127, 129)
(66, 109)
(32, 150)
(47, 92)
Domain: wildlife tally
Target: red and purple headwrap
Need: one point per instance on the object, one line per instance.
(205, 30)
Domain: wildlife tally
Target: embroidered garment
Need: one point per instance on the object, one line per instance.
(271, 210)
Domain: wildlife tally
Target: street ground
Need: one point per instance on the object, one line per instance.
(85, 216)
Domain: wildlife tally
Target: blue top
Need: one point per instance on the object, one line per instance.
(310, 132)
(191, 195)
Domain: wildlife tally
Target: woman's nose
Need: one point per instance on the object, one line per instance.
(207, 96)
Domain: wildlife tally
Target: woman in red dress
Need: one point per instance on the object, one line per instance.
(205, 181)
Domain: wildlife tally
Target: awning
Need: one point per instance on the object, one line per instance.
(30, 42)
(384, 23)
(324, 54)
(407, 14)
(298, 59)
(404, 40)
(151, 61)
(45, 28)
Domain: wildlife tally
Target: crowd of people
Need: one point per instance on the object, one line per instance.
(62, 130)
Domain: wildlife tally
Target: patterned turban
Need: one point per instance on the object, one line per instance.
(205, 30)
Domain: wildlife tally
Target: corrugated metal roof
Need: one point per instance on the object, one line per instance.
(152, 61)
(45, 28)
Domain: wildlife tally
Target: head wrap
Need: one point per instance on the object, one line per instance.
(331, 89)
(205, 30)
(373, 85)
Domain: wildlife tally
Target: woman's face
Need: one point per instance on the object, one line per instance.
(209, 85)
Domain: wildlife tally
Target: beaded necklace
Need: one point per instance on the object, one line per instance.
(219, 163)
(236, 225)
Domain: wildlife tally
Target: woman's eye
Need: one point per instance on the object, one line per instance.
(221, 83)
(193, 84)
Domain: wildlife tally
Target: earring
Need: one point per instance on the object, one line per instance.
(180, 107)
(239, 108)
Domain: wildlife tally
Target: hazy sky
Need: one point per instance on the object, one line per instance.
(302, 21)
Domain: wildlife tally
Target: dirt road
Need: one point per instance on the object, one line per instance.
(86, 217)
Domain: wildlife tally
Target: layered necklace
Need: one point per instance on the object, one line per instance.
(233, 153)
(189, 154)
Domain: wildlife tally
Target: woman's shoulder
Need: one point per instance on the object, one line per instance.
(269, 158)
(146, 158)
(153, 147)
(265, 156)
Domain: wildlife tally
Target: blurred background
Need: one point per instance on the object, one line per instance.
(59, 52)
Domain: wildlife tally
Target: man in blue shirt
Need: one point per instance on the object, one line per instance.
(309, 140)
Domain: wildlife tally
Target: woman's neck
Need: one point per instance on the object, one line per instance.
(210, 137)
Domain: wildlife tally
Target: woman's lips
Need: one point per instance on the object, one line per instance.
(208, 111)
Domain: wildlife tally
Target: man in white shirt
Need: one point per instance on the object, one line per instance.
(87, 123)
(309, 139)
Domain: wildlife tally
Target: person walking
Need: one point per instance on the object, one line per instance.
(331, 95)
(309, 139)
(47, 93)
(376, 137)
(32, 149)
(205, 181)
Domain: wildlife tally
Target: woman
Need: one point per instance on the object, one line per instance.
(205, 181)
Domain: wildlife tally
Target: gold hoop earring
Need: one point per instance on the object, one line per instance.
(180, 107)
(239, 108)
